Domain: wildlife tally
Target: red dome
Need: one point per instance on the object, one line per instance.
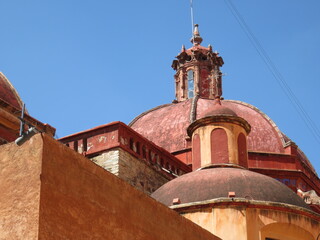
(213, 183)
(167, 125)
(8, 93)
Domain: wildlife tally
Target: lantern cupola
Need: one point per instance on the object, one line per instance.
(197, 71)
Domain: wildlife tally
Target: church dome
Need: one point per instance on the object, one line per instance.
(8, 93)
(213, 183)
(173, 120)
(198, 91)
(166, 125)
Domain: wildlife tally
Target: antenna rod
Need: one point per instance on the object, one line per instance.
(22, 120)
(192, 20)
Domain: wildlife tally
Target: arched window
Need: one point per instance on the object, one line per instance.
(219, 146)
(242, 150)
(196, 154)
(280, 231)
(190, 75)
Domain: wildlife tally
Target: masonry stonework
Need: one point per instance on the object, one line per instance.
(133, 170)
(109, 161)
(139, 174)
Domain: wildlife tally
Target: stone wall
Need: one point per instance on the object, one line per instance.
(140, 174)
(109, 161)
(137, 172)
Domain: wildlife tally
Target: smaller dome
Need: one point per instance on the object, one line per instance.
(219, 110)
(213, 183)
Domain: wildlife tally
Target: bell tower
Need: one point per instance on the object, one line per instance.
(197, 71)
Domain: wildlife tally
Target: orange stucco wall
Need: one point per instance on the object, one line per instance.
(81, 200)
(20, 189)
(78, 199)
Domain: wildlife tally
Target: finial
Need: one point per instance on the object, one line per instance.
(183, 48)
(210, 47)
(217, 100)
(196, 39)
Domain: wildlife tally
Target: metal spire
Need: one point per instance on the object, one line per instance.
(196, 38)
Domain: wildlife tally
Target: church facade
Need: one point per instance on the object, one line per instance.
(223, 165)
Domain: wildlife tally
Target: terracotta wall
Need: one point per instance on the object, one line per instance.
(49, 191)
(20, 169)
(80, 200)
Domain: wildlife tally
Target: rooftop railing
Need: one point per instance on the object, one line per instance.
(95, 141)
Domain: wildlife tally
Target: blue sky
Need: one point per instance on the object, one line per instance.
(80, 64)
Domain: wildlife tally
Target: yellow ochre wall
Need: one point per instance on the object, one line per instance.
(242, 223)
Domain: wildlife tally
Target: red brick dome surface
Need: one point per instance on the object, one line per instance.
(213, 183)
(166, 125)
